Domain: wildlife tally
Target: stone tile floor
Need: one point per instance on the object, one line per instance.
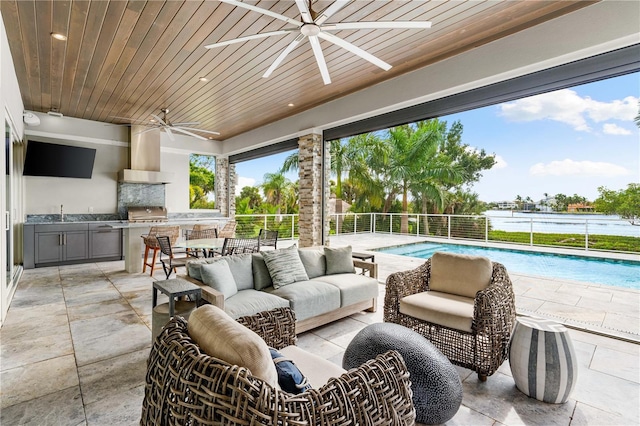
(74, 345)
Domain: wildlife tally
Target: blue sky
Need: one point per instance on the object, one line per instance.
(569, 141)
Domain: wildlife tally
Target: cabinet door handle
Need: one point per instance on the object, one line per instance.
(59, 239)
(7, 217)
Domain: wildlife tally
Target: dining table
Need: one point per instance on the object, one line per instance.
(201, 244)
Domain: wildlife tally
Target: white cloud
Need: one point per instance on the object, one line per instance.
(566, 106)
(570, 167)
(500, 163)
(614, 129)
(244, 181)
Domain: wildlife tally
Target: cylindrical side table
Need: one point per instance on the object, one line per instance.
(175, 288)
(542, 359)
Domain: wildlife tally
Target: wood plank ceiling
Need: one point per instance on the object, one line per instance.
(132, 58)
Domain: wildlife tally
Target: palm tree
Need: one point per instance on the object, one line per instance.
(274, 187)
(415, 165)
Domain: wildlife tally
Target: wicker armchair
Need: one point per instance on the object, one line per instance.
(186, 386)
(482, 350)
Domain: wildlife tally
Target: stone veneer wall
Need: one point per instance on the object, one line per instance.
(225, 187)
(139, 194)
(313, 188)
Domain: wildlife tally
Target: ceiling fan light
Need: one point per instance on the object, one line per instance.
(59, 36)
(310, 30)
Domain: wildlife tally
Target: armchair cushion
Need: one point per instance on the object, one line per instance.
(316, 369)
(222, 337)
(219, 276)
(458, 274)
(436, 307)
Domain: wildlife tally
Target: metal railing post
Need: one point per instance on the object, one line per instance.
(586, 234)
(390, 224)
(486, 229)
(449, 226)
(417, 225)
(372, 223)
(355, 224)
(293, 227)
(531, 232)
(265, 221)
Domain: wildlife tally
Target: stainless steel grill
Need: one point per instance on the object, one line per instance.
(147, 214)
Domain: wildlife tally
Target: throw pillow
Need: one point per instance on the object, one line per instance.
(240, 266)
(261, 277)
(339, 260)
(218, 275)
(314, 263)
(285, 266)
(290, 378)
(220, 336)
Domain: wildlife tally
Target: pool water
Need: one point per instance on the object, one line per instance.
(619, 273)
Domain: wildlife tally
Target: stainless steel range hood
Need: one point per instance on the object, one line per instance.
(145, 158)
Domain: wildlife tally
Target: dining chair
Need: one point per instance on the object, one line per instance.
(268, 238)
(170, 262)
(151, 243)
(240, 245)
(198, 234)
(228, 230)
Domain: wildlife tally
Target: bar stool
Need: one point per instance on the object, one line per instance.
(151, 243)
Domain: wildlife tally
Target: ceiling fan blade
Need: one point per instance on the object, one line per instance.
(141, 132)
(304, 11)
(317, 51)
(186, 132)
(355, 50)
(283, 55)
(377, 25)
(189, 123)
(263, 11)
(159, 120)
(250, 37)
(197, 130)
(334, 8)
(169, 133)
(130, 120)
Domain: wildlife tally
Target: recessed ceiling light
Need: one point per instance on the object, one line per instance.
(152, 120)
(203, 79)
(211, 138)
(59, 36)
(291, 105)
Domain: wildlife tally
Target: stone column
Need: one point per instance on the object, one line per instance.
(222, 185)
(233, 182)
(313, 190)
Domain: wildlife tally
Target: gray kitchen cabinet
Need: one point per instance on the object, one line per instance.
(104, 242)
(61, 243)
(67, 243)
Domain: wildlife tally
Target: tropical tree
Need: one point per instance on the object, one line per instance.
(201, 181)
(415, 165)
(625, 203)
(274, 187)
(253, 195)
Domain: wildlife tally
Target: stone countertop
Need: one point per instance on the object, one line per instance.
(185, 221)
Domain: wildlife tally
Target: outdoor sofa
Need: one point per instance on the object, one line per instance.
(319, 284)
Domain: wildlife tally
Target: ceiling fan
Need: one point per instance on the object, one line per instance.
(314, 28)
(169, 127)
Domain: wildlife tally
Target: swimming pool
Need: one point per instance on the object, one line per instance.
(619, 273)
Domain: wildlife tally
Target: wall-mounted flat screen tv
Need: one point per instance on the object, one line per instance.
(50, 159)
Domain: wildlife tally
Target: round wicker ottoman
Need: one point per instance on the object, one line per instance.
(437, 391)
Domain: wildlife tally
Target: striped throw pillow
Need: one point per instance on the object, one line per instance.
(285, 266)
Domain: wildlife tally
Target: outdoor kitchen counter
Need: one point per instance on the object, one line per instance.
(134, 230)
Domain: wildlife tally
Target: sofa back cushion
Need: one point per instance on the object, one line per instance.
(241, 269)
(218, 275)
(339, 260)
(261, 277)
(459, 274)
(285, 266)
(314, 263)
(219, 336)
